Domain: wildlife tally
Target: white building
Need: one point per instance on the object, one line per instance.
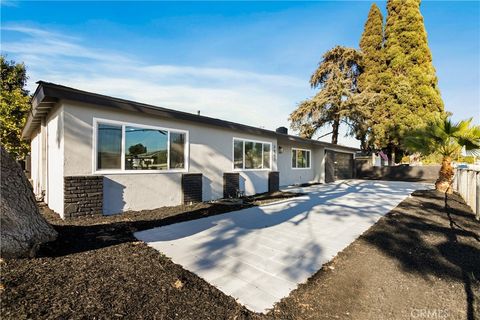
(92, 153)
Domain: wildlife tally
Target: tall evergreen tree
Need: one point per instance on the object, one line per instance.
(369, 98)
(336, 77)
(409, 81)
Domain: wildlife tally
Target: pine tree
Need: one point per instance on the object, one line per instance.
(409, 81)
(369, 98)
(336, 77)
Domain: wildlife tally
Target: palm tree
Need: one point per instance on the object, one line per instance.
(442, 136)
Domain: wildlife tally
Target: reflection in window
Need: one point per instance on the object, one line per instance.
(251, 154)
(266, 155)
(143, 149)
(300, 158)
(238, 154)
(109, 146)
(177, 150)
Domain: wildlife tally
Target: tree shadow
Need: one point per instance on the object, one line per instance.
(337, 202)
(406, 237)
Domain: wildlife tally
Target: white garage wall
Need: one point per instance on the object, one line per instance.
(210, 154)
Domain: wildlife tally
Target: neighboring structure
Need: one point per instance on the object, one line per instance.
(92, 153)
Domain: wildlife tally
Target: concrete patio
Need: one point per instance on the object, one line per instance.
(258, 255)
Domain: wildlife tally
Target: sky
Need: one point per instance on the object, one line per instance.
(247, 62)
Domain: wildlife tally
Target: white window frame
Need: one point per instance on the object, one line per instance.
(243, 154)
(123, 124)
(309, 162)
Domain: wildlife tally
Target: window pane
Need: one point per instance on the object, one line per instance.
(238, 154)
(266, 156)
(109, 146)
(177, 150)
(308, 159)
(145, 149)
(253, 155)
(300, 159)
(294, 158)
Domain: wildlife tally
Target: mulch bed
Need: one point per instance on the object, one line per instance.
(421, 258)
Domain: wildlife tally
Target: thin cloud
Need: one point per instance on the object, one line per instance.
(258, 99)
(238, 95)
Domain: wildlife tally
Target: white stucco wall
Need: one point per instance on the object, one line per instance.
(319, 164)
(210, 153)
(289, 175)
(54, 159)
(35, 162)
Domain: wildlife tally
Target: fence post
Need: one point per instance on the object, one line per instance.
(477, 196)
(467, 191)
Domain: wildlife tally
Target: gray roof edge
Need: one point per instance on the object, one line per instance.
(50, 90)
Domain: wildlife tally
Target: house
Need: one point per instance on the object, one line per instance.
(92, 153)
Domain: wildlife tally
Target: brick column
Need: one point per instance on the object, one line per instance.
(192, 188)
(231, 184)
(83, 195)
(273, 181)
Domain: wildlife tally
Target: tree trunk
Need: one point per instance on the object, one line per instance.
(23, 229)
(391, 155)
(445, 176)
(335, 126)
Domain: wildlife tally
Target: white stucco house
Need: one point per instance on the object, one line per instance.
(92, 154)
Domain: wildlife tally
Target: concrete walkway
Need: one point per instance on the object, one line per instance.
(258, 255)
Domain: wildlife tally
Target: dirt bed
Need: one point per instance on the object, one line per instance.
(422, 259)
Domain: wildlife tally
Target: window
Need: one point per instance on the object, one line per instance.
(177, 150)
(300, 159)
(129, 147)
(251, 155)
(109, 149)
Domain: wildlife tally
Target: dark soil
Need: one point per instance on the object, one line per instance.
(420, 259)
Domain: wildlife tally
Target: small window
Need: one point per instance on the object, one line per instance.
(238, 154)
(301, 158)
(177, 150)
(266, 155)
(109, 150)
(251, 155)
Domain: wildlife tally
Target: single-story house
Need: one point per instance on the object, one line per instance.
(92, 154)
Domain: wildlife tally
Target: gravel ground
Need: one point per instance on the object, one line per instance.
(421, 261)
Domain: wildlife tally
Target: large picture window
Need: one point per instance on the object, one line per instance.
(251, 155)
(129, 147)
(301, 158)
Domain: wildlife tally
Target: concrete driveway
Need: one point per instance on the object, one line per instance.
(258, 255)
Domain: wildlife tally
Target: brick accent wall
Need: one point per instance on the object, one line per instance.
(192, 188)
(231, 184)
(273, 181)
(83, 195)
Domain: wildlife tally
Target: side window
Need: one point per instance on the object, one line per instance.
(109, 146)
(251, 155)
(301, 158)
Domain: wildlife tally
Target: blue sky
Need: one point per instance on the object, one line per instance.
(242, 61)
